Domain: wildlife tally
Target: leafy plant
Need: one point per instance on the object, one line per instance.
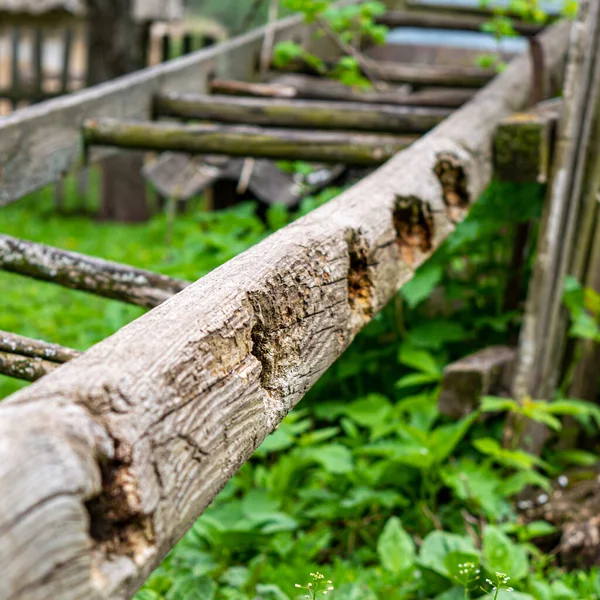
(349, 27)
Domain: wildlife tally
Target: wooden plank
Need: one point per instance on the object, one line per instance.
(66, 60)
(299, 114)
(413, 74)
(456, 22)
(86, 273)
(106, 462)
(15, 79)
(38, 63)
(39, 143)
(246, 141)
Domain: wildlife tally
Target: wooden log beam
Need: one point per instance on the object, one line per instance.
(309, 87)
(19, 344)
(457, 22)
(105, 463)
(300, 114)
(86, 273)
(523, 144)
(25, 367)
(419, 75)
(230, 140)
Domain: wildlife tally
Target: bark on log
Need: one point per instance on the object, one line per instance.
(19, 344)
(300, 114)
(237, 140)
(427, 20)
(105, 463)
(309, 87)
(431, 75)
(86, 273)
(25, 367)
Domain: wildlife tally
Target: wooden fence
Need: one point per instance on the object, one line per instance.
(107, 460)
(39, 63)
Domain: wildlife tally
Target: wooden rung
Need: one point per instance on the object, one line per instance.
(300, 114)
(246, 141)
(25, 367)
(309, 87)
(13, 343)
(86, 273)
(417, 74)
(523, 144)
(457, 22)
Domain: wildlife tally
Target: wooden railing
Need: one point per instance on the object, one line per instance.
(108, 459)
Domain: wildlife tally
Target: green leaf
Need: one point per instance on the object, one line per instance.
(516, 483)
(421, 360)
(270, 591)
(192, 588)
(334, 458)
(581, 458)
(395, 547)
(370, 411)
(422, 284)
(495, 404)
(502, 555)
(413, 379)
(435, 334)
(444, 439)
(438, 544)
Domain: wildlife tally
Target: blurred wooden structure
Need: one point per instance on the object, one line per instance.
(44, 45)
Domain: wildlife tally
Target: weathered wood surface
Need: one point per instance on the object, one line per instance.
(105, 463)
(467, 380)
(457, 22)
(25, 367)
(542, 334)
(309, 87)
(422, 74)
(40, 143)
(19, 344)
(246, 140)
(523, 144)
(86, 273)
(300, 114)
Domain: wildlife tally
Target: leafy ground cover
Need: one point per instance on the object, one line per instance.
(364, 482)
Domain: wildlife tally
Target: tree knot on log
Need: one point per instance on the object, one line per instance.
(118, 525)
(453, 179)
(360, 283)
(413, 222)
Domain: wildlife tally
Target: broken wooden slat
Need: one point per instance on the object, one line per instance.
(19, 344)
(25, 367)
(182, 176)
(523, 145)
(466, 381)
(299, 114)
(105, 463)
(231, 140)
(422, 74)
(309, 87)
(458, 22)
(86, 273)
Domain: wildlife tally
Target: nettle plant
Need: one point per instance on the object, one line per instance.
(501, 25)
(348, 26)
